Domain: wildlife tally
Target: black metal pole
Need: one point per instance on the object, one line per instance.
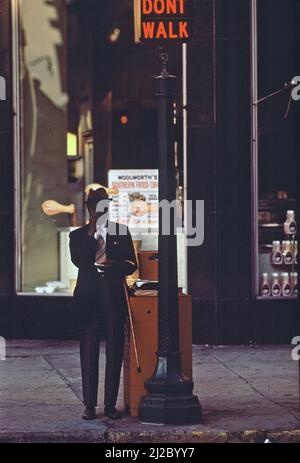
(170, 398)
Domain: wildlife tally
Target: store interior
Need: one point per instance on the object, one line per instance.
(89, 109)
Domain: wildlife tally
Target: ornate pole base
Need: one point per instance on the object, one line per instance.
(170, 409)
(170, 398)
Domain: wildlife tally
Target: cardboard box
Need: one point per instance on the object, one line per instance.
(148, 268)
(144, 314)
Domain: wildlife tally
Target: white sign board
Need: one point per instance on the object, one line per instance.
(136, 205)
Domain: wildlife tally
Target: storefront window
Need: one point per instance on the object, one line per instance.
(44, 129)
(275, 115)
(87, 109)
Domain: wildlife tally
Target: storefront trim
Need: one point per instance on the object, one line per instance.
(16, 140)
(254, 147)
(185, 150)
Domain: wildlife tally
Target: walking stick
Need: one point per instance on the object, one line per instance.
(138, 366)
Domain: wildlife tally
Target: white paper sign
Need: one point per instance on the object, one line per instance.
(136, 205)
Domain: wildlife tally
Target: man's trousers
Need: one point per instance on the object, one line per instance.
(113, 321)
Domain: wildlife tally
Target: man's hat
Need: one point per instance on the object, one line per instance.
(95, 196)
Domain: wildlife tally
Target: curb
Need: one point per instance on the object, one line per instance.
(176, 437)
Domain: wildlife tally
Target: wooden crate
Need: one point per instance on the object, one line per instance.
(144, 313)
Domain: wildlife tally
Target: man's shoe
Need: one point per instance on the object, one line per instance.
(112, 413)
(89, 414)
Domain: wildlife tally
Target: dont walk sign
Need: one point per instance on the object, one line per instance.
(164, 20)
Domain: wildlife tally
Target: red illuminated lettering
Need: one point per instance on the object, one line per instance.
(165, 30)
(147, 6)
(165, 20)
(183, 33)
(172, 35)
(161, 31)
(160, 7)
(158, 10)
(148, 28)
(171, 6)
(181, 6)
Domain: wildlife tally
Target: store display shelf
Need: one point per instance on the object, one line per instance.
(277, 298)
(275, 205)
(34, 294)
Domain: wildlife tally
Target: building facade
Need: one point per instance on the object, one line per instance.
(80, 104)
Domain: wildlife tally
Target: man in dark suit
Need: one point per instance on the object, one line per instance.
(104, 254)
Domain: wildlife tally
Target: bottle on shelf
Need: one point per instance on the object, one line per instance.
(276, 255)
(288, 257)
(286, 285)
(290, 226)
(265, 285)
(294, 284)
(276, 287)
(295, 252)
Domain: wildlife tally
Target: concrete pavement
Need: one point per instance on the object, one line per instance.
(248, 394)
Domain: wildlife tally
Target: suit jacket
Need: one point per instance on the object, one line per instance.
(119, 247)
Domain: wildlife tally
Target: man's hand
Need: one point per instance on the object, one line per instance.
(93, 223)
(110, 266)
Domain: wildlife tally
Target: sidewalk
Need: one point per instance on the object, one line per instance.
(248, 394)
